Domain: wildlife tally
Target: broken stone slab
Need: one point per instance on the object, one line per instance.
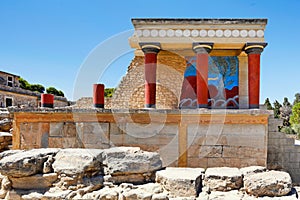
(182, 182)
(78, 161)
(5, 125)
(25, 163)
(38, 181)
(56, 194)
(131, 160)
(222, 179)
(131, 165)
(252, 170)
(230, 195)
(272, 183)
(9, 152)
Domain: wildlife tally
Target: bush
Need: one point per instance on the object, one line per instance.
(296, 128)
(54, 91)
(108, 92)
(287, 130)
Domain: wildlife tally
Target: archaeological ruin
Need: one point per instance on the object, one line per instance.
(191, 93)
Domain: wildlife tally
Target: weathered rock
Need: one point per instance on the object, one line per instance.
(9, 153)
(252, 170)
(78, 161)
(25, 163)
(47, 168)
(32, 196)
(222, 179)
(131, 160)
(272, 183)
(106, 193)
(231, 195)
(5, 186)
(160, 196)
(56, 194)
(5, 125)
(5, 140)
(38, 181)
(132, 165)
(183, 182)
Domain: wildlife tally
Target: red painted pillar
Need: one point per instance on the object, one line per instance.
(150, 51)
(254, 51)
(202, 50)
(98, 95)
(47, 100)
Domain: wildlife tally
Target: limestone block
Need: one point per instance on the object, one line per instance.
(183, 182)
(222, 179)
(25, 163)
(78, 161)
(128, 160)
(272, 183)
(38, 181)
(243, 152)
(231, 195)
(246, 171)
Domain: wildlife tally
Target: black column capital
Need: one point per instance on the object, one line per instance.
(150, 47)
(255, 48)
(202, 47)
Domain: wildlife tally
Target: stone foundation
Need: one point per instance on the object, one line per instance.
(186, 138)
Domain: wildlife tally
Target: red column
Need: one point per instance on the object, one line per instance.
(150, 51)
(202, 50)
(254, 51)
(47, 100)
(98, 95)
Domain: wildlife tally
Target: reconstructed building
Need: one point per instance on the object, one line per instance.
(12, 95)
(201, 80)
(190, 63)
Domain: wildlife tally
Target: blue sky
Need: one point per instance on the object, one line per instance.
(48, 41)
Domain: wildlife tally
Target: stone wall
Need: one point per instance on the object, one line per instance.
(19, 99)
(235, 145)
(197, 138)
(283, 154)
(130, 92)
(26, 98)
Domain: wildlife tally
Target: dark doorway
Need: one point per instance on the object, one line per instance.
(8, 102)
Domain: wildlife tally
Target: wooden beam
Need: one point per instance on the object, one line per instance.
(182, 145)
(143, 118)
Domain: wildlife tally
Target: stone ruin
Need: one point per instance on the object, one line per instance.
(174, 108)
(129, 173)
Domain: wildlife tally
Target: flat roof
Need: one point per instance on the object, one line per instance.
(196, 21)
(3, 72)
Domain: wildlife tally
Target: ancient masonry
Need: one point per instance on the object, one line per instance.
(191, 93)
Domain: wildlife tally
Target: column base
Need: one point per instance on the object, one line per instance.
(150, 106)
(99, 105)
(202, 106)
(47, 105)
(254, 106)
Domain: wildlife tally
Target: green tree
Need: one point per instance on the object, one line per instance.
(297, 98)
(108, 92)
(295, 117)
(268, 104)
(60, 93)
(37, 88)
(24, 84)
(277, 107)
(286, 102)
(54, 91)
